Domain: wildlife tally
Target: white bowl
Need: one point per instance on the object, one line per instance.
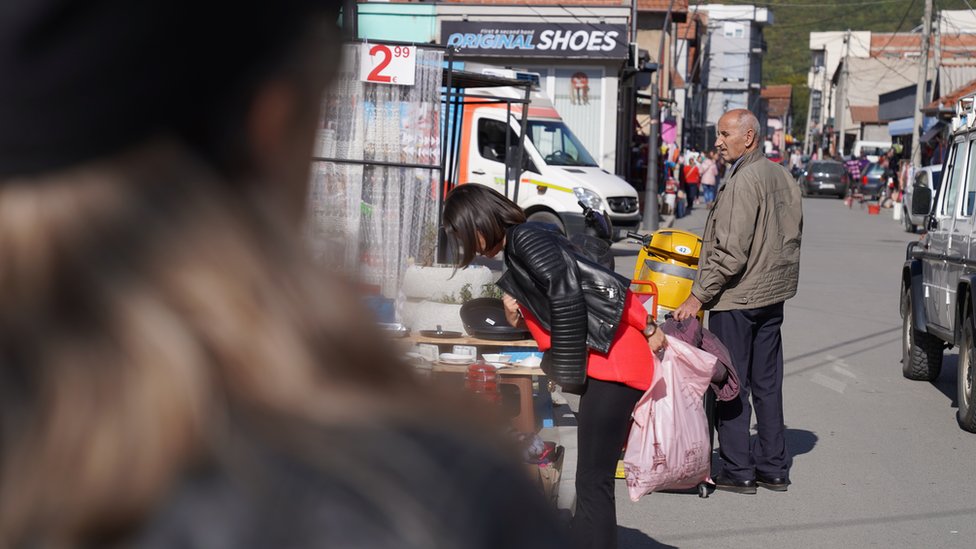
(452, 358)
(497, 359)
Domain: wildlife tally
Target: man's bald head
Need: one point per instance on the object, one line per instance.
(738, 134)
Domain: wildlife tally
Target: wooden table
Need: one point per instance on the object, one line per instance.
(520, 377)
(468, 340)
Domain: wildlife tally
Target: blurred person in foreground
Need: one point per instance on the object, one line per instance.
(173, 370)
(596, 335)
(750, 265)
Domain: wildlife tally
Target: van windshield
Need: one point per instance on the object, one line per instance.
(557, 144)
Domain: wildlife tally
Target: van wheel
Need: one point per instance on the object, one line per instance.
(921, 353)
(547, 217)
(966, 379)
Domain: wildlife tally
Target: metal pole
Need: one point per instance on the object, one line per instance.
(523, 124)
(440, 249)
(842, 100)
(509, 157)
(650, 221)
(923, 69)
(350, 25)
(823, 109)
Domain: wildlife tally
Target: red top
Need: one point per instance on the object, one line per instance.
(630, 360)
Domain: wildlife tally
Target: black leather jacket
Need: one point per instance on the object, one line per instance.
(578, 302)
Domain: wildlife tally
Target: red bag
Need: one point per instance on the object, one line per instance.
(668, 445)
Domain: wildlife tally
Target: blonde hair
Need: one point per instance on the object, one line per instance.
(143, 303)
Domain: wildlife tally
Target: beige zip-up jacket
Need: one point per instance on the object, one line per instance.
(751, 252)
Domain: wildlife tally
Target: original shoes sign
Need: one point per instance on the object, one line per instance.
(572, 40)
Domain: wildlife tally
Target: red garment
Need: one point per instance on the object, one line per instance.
(692, 175)
(630, 360)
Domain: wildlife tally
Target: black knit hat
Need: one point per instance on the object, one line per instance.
(83, 78)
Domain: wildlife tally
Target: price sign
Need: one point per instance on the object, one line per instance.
(386, 64)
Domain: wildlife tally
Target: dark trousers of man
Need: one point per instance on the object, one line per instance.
(603, 422)
(755, 343)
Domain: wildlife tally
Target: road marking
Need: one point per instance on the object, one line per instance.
(828, 382)
(840, 366)
(844, 372)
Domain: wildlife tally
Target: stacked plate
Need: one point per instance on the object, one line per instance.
(453, 358)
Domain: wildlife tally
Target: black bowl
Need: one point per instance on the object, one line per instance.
(484, 318)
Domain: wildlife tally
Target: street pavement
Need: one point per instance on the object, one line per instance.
(878, 461)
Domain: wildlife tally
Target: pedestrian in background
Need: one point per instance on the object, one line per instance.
(596, 335)
(709, 176)
(692, 177)
(749, 266)
(174, 371)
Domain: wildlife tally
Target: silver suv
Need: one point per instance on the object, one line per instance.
(938, 297)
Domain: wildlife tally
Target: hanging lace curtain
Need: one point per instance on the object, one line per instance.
(370, 219)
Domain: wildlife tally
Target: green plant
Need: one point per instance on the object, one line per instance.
(465, 293)
(490, 289)
(450, 299)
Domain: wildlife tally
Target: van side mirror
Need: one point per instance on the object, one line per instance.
(921, 200)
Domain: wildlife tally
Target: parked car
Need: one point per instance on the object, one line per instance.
(938, 282)
(824, 177)
(926, 176)
(873, 181)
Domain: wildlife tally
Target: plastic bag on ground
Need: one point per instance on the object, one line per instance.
(668, 447)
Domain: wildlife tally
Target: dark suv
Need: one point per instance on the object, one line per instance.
(938, 297)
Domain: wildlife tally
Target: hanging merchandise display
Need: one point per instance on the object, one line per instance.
(373, 191)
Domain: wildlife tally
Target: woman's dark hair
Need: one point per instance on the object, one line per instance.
(471, 209)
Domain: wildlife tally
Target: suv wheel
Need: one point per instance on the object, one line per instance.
(966, 415)
(921, 355)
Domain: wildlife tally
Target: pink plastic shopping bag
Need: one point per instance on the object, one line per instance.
(668, 446)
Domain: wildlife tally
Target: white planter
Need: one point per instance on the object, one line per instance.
(427, 315)
(436, 283)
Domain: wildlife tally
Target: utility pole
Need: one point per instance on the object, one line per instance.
(841, 113)
(824, 107)
(923, 70)
(650, 221)
(937, 58)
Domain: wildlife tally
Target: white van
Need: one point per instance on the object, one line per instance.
(871, 149)
(558, 171)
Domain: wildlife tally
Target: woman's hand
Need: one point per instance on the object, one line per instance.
(657, 341)
(512, 313)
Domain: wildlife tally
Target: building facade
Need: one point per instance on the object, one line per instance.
(736, 47)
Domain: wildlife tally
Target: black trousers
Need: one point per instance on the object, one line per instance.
(754, 340)
(603, 422)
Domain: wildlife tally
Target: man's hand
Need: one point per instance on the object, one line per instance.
(512, 313)
(688, 309)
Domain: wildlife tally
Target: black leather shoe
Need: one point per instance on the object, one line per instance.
(776, 484)
(727, 484)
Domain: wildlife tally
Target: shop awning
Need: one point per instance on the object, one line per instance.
(903, 126)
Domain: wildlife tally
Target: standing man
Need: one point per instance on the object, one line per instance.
(749, 266)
